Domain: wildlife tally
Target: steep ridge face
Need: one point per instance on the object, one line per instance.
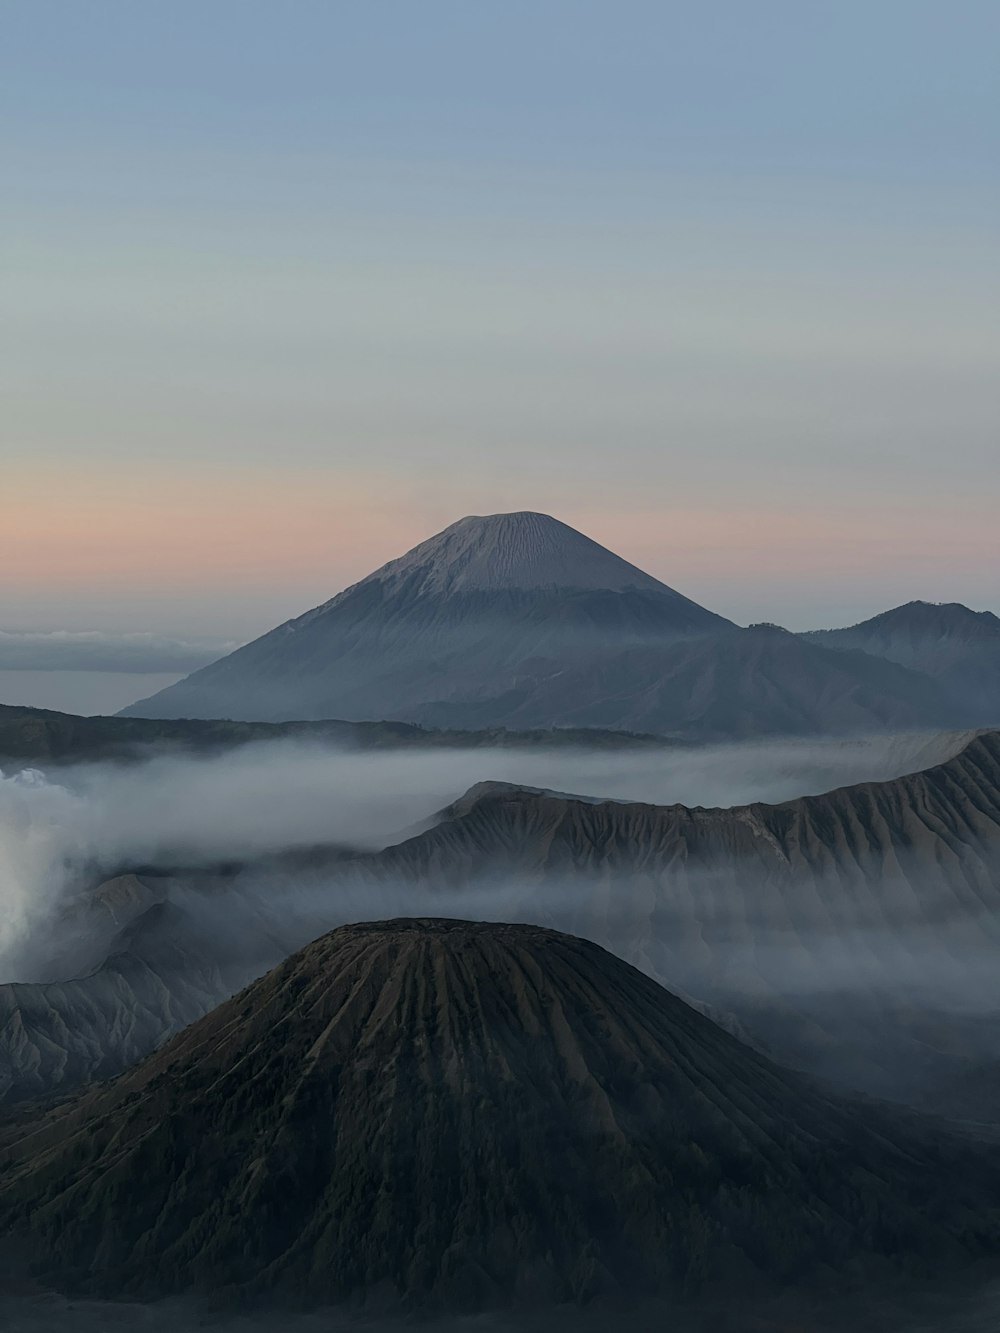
(946, 817)
(517, 620)
(946, 641)
(955, 803)
(855, 931)
(461, 1116)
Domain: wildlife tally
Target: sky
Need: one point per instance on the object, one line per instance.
(290, 286)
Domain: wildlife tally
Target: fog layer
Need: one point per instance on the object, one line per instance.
(59, 835)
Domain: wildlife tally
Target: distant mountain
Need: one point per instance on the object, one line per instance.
(744, 683)
(955, 646)
(470, 614)
(452, 1116)
(517, 620)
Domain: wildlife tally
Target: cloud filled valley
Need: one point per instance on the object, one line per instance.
(61, 830)
(139, 895)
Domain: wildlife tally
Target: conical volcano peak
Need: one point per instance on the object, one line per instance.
(514, 552)
(453, 632)
(456, 1116)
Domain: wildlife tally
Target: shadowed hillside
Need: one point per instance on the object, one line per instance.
(946, 641)
(459, 1116)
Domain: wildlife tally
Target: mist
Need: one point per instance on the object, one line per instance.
(63, 830)
(260, 849)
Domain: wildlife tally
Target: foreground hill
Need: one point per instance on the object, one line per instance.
(458, 1116)
(517, 620)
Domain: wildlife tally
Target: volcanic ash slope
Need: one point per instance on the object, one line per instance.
(459, 1116)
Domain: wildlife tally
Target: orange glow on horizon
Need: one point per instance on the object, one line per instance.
(219, 527)
(222, 528)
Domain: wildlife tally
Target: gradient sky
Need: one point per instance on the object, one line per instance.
(289, 286)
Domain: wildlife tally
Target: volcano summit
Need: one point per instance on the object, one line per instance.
(465, 624)
(518, 620)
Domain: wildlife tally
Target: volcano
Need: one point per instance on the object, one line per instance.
(517, 620)
(476, 613)
(461, 1116)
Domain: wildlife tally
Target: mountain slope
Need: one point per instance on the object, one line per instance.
(463, 615)
(855, 931)
(518, 620)
(520, 551)
(189, 942)
(458, 1116)
(739, 684)
(948, 814)
(946, 641)
(158, 975)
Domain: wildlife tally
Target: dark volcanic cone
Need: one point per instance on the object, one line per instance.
(461, 1116)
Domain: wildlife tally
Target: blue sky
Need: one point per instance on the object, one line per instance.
(291, 285)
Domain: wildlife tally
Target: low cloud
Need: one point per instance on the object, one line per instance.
(818, 965)
(94, 650)
(62, 831)
(264, 798)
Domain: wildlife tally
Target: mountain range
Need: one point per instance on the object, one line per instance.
(453, 1116)
(517, 620)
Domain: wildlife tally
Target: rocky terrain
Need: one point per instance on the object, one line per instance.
(455, 1116)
